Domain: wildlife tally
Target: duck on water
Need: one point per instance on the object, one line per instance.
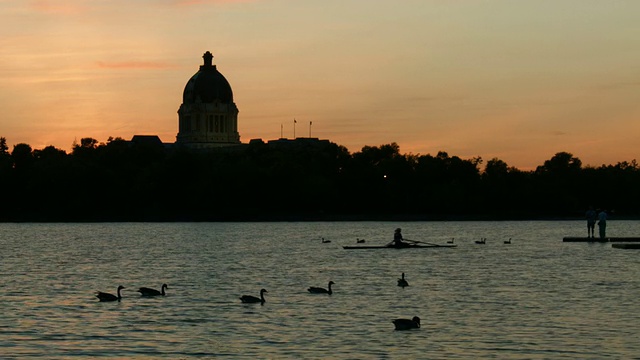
(407, 324)
(145, 291)
(319, 290)
(103, 296)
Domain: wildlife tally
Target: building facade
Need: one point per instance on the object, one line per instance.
(207, 117)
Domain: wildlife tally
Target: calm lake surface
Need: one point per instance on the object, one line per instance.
(537, 298)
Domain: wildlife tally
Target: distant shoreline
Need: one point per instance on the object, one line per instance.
(329, 218)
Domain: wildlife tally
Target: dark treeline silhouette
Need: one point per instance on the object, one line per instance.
(297, 180)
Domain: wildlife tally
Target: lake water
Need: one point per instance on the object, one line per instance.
(537, 298)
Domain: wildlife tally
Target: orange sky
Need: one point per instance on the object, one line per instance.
(516, 80)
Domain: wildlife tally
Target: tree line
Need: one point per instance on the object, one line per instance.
(121, 180)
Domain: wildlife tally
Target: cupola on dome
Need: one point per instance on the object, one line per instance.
(208, 85)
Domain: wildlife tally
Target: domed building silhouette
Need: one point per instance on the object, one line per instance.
(207, 117)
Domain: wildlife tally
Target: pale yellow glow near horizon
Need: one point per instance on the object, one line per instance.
(519, 81)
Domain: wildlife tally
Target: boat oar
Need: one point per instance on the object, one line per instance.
(421, 242)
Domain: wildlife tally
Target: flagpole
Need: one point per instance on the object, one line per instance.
(310, 122)
(281, 135)
(294, 128)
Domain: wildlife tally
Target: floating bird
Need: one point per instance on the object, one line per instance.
(482, 241)
(406, 324)
(319, 290)
(402, 282)
(508, 241)
(359, 241)
(450, 241)
(109, 297)
(249, 299)
(144, 291)
(325, 241)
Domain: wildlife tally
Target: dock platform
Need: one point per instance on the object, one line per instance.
(608, 239)
(626, 246)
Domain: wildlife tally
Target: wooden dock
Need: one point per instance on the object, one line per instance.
(626, 246)
(583, 239)
(608, 239)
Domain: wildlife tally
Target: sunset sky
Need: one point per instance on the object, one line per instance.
(516, 80)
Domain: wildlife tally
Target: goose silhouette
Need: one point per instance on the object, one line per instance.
(319, 290)
(145, 291)
(407, 324)
(508, 241)
(250, 299)
(482, 241)
(402, 282)
(103, 296)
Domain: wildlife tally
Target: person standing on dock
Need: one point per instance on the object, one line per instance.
(591, 216)
(602, 223)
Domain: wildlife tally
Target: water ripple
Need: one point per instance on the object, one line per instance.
(537, 298)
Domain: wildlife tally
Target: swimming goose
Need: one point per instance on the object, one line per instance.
(325, 241)
(450, 241)
(319, 290)
(482, 241)
(359, 241)
(144, 291)
(252, 299)
(109, 297)
(508, 241)
(402, 282)
(406, 324)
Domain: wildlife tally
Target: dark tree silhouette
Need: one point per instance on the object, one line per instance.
(296, 180)
(22, 156)
(4, 149)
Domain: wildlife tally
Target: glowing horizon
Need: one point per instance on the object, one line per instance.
(519, 81)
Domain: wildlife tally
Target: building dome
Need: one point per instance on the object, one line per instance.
(207, 117)
(208, 85)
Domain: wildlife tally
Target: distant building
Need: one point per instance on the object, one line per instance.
(207, 117)
(147, 140)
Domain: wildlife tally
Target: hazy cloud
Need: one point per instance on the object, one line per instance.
(202, 2)
(620, 85)
(58, 7)
(134, 65)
